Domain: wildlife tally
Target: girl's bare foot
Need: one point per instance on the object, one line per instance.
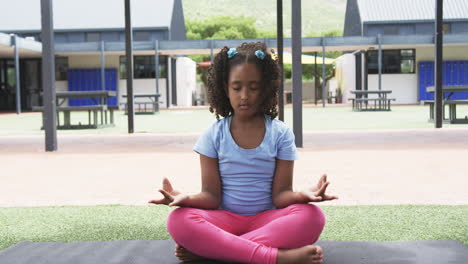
(309, 254)
(184, 255)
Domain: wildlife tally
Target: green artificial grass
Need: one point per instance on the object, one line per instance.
(196, 120)
(116, 222)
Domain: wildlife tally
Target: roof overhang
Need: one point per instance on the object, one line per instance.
(414, 21)
(27, 47)
(193, 47)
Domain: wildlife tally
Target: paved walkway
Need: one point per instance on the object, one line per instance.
(423, 166)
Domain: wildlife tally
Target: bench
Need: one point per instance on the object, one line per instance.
(380, 104)
(145, 107)
(92, 119)
(452, 104)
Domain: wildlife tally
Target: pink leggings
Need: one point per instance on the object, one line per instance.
(222, 235)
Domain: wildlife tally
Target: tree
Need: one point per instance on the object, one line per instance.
(242, 27)
(222, 27)
(309, 69)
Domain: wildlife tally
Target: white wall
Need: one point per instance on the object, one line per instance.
(450, 53)
(345, 75)
(403, 86)
(92, 61)
(62, 86)
(186, 80)
(143, 86)
(308, 91)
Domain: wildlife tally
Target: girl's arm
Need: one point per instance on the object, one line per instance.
(283, 194)
(210, 195)
(208, 198)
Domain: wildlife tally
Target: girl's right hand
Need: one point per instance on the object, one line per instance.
(171, 196)
(317, 193)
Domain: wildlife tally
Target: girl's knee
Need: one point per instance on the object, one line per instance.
(179, 222)
(311, 214)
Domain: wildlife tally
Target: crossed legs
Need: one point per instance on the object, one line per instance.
(263, 238)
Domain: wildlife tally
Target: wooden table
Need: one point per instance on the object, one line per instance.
(448, 91)
(100, 100)
(153, 101)
(361, 100)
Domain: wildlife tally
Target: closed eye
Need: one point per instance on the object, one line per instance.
(253, 86)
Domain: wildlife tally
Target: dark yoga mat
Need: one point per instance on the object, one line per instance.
(162, 252)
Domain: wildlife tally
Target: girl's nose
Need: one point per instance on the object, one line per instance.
(244, 94)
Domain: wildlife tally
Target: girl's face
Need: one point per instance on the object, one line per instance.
(244, 89)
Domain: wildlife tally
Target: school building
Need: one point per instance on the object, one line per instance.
(407, 69)
(83, 31)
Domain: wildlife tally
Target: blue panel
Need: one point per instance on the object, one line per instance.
(76, 37)
(90, 80)
(424, 28)
(110, 36)
(453, 73)
(159, 35)
(459, 27)
(374, 30)
(61, 38)
(407, 30)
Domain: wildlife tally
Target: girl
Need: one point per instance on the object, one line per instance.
(246, 211)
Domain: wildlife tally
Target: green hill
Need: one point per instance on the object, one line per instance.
(317, 15)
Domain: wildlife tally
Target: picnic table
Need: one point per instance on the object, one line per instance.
(152, 102)
(100, 106)
(362, 102)
(448, 91)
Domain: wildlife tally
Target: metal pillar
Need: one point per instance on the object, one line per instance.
(168, 82)
(48, 75)
(297, 71)
(156, 64)
(17, 75)
(324, 92)
(129, 65)
(366, 70)
(379, 40)
(438, 64)
(174, 81)
(211, 51)
(316, 83)
(103, 65)
(156, 72)
(358, 75)
(279, 37)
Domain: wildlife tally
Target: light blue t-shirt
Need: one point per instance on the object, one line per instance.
(247, 174)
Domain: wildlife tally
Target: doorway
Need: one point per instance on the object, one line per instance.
(30, 84)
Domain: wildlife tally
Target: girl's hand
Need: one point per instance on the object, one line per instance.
(317, 193)
(171, 196)
(320, 183)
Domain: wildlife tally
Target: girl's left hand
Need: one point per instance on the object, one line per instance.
(171, 197)
(317, 193)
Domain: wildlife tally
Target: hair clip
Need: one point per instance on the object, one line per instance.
(231, 52)
(260, 54)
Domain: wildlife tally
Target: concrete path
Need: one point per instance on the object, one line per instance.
(422, 166)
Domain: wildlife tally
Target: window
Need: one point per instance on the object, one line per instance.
(61, 68)
(390, 30)
(446, 29)
(93, 37)
(143, 67)
(142, 36)
(393, 61)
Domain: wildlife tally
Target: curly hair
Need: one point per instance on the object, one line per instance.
(218, 77)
